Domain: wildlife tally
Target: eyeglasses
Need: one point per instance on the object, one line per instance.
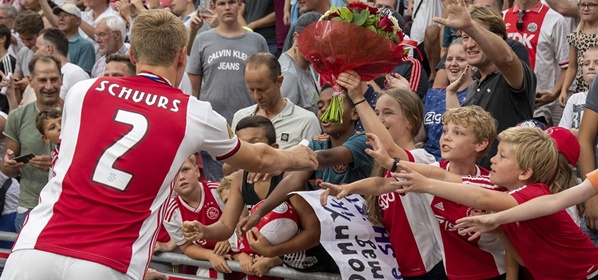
(102, 35)
(519, 23)
(590, 6)
(65, 15)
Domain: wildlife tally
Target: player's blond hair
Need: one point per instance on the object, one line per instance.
(482, 124)
(157, 37)
(535, 150)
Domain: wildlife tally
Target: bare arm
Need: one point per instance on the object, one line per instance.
(537, 207)
(295, 181)
(372, 124)
(52, 19)
(334, 156)
(493, 46)
(195, 83)
(564, 7)
(88, 29)
(569, 75)
(10, 167)
(309, 236)
(468, 195)
(266, 21)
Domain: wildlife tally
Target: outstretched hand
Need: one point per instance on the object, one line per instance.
(193, 230)
(337, 191)
(409, 180)
(457, 16)
(477, 224)
(378, 151)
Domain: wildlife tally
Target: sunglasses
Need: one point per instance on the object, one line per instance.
(519, 23)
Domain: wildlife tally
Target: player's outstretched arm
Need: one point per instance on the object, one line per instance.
(262, 158)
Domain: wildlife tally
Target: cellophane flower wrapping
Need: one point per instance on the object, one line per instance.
(334, 46)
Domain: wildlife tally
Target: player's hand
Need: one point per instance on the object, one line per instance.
(219, 263)
(262, 265)
(210, 17)
(41, 162)
(196, 22)
(193, 230)
(337, 191)
(409, 180)
(378, 151)
(255, 177)
(477, 225)
(300, 158)
(221, 248)
(258, 243)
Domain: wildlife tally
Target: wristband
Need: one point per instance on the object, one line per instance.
(355, 104)
(393, 169)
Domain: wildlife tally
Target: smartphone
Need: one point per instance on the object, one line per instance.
(24, 158)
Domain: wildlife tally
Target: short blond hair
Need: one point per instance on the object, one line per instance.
(157, 37)
(535, 150)
(482, 124)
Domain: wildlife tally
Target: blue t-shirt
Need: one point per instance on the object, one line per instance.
(434, 108)
(360, 168)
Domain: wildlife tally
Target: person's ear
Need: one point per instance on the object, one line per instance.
(525, 175)
(354, 114)
(481, 145)
(279, 80)
(45, 139)
(275, 146)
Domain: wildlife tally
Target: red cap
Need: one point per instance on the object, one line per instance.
(566, 143)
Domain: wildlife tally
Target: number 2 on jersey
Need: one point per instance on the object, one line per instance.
(105, 173)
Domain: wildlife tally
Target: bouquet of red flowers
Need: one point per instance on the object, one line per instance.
(355, 37)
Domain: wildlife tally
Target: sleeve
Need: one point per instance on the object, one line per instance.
(218, 138)
(290, 89)
(194, 61)
(263, 45)
(593, 178)
(561, 46)
(567, 117)
(446, 37)
(173, 223)
(592, 100)
(357, 145)
(11, 130)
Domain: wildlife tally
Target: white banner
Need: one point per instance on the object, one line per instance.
(360, 249)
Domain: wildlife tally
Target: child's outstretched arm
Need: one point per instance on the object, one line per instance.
(367, 186)
(295, 181)
(378, 153)
(465, 194)
(537, 207)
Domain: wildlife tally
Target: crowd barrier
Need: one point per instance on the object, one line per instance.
(180, 259)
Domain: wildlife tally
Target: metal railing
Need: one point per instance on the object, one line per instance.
(176, 258)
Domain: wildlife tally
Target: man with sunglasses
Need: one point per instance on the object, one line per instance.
(503, 85)
(543, 32)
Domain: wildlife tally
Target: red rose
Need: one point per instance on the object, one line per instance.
(357, 6)
(333, 15)
(385, 24)
(373, 10)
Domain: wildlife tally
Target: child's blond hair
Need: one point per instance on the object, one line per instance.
(534, 150)
(225, 184)
(482, 124)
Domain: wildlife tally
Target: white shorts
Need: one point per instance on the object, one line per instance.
(34, 264)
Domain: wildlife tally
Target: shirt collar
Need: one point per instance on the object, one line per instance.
(536, 8)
